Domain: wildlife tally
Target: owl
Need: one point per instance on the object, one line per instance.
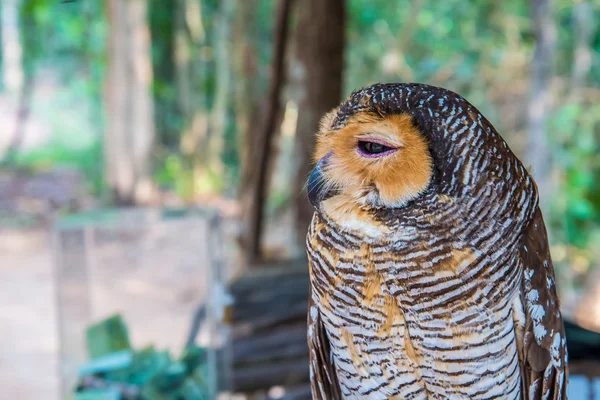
(430, 270)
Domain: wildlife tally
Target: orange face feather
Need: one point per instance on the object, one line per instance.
(388, 180)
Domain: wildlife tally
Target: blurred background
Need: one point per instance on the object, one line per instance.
(213, 105)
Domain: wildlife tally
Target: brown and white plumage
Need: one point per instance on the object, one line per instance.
(430, 270)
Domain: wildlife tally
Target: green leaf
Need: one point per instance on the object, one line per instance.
(110, 362)
(145, 366)
(109, 394)
(170, 378)
(193, 357)
(106, 337)
(190, 390)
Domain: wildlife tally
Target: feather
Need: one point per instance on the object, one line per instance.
(544, 358)
(324, 382)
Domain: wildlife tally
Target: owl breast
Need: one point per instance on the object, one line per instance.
(414, 323)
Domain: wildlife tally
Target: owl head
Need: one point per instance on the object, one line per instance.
(397, 146)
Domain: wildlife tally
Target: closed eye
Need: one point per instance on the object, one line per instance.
(374, 148)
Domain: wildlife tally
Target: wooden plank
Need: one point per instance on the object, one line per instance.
(284, 343)
(266, 375)
(269, 330)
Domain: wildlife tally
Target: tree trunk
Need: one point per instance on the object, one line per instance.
(584, 30)
(257, 175)
(23, 112)
(20, 77)
(12, 71)
(221, 105)
(130, 129)
(246, 104)
(542, 67)
(167, 114)
(319, 52)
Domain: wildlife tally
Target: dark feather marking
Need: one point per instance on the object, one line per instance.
(324, 383)
(541, 374)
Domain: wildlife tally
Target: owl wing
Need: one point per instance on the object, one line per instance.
(323, 378)
(543, 353)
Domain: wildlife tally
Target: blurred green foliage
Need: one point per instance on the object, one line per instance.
(107, 337)
(117, 371)
(481, 49)
(65, 42)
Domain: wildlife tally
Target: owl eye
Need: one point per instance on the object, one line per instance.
(373, 149)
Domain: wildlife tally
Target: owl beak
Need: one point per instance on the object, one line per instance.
(316, 187)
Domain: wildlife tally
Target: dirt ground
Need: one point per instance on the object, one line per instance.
(28, 329)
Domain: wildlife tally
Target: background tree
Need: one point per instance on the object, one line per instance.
(164, 27)
(245, 62)
(20, 49)
(319, 53)
(542, 68)
(12, 72)
(258, 166)
(130, 131)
